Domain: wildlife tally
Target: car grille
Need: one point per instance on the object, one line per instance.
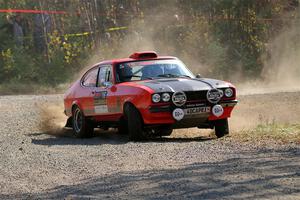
(201, 96)
(196, 95)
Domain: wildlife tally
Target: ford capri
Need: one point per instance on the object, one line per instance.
(147, 95)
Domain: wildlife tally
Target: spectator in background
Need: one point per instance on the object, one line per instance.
(14, 30)
(6, 32)
(7, 27)
(18, 30)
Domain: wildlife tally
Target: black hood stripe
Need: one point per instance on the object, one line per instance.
(175, 84)
(212, 87)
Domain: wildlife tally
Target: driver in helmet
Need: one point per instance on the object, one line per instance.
(125, 73)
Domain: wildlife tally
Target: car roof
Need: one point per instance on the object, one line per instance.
(122, 60)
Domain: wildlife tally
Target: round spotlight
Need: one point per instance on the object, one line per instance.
(166, 97)
(228, 92)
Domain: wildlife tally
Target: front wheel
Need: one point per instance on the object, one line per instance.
(82, 127)
(221, 127)
(135, 123)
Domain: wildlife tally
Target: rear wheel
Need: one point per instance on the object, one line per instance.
(135, 123)
(221, 127)
(82, 127)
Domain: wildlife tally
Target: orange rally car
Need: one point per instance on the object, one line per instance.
(147, 95)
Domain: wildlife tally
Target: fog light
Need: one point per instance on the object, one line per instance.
(228, 92)
(165, 97)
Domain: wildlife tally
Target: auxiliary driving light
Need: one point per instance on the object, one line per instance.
(228, 92)
(166, 97)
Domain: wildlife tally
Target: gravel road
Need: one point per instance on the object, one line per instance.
(40, 164)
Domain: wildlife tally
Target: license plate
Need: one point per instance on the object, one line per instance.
(196, 110)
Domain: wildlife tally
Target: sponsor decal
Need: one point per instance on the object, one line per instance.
(88, 111)
(100, 105)
(217, 110)
(195, 105)
(178, 114)
(101, 109)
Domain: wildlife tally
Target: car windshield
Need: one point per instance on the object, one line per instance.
(152, 69)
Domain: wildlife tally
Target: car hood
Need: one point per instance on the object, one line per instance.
(183, 84)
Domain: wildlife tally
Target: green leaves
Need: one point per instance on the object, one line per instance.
(214, 37)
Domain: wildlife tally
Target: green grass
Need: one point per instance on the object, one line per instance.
(273, 132)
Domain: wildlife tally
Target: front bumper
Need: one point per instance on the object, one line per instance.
(162, 113)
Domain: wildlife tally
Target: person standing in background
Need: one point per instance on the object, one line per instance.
(6, 32)
(18, 31)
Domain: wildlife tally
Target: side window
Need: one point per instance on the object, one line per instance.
(105, 75)
(90, 79)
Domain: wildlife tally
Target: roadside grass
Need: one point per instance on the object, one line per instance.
(270, 132)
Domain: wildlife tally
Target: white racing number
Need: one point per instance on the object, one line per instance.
(178, 114)
(217, 110)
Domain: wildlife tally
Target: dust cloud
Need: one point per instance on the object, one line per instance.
(52, 119)
(275, 97)
(283, 64)
(281, 72)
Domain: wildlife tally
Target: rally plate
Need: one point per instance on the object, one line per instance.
(196, 110)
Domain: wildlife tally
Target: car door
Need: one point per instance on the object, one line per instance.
(100, 93)
(86, 94)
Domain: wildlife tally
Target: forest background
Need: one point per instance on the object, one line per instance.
(47, 43)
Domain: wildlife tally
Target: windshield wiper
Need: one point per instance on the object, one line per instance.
(167, 75)
(173, 75)
(183, 75)
(144, 78)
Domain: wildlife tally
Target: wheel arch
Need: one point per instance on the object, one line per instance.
(129, 103)
(74, 105)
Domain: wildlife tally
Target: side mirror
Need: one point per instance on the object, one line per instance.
(198, 76)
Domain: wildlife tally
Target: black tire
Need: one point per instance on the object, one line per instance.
(135, 123)
(82, 127)
(123, 127)
(221, 127)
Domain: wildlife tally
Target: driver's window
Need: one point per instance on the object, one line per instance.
(105, 75)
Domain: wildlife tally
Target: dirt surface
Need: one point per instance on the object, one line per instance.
(39, 161)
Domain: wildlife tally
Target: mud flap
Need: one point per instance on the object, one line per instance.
(69, 123)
